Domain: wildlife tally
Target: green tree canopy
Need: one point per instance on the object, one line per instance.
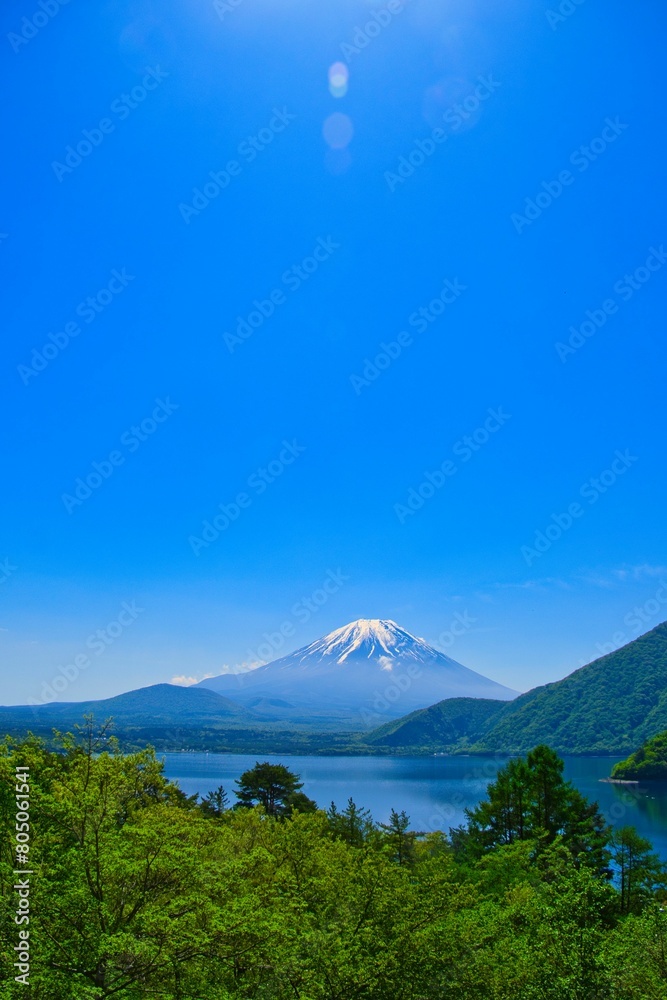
(274, 787)
(530, 800)
(648, 763)
(138, 892)
(354, 824)
(638, 869)
(215, 803)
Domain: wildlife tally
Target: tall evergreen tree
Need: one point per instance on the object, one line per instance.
(398, 838)
(530, 800)
(353, 825)
(638, 869)
(215, 803)
(273, 786)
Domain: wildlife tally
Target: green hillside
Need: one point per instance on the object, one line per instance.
(166, 716)
(447, 725)
(649, 763)
(154, 705)
(168, 702)
(609, 706)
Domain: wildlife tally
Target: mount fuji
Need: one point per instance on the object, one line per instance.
(371, 668)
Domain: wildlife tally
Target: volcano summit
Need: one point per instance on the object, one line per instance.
(371, 666)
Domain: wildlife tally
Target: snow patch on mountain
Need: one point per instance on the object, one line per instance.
(371, 665)
(370, 637)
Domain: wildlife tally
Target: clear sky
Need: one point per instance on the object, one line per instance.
(201, 266)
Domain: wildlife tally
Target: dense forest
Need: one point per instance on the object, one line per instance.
(648, 763)
(138, 891)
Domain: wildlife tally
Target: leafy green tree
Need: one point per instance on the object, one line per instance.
(635, 955)
(136, 894)
(274, 787)
(299, 802)
(115, 872)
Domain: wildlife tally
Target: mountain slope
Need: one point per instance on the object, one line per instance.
(649, 763)
(372, 669)
(157, 704)
(447, 725)
(609, 706)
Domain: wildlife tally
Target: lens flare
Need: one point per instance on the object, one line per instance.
(338, 130)
(338, 77)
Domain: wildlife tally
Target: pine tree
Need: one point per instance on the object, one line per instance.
(638, 869)
(215, 803)
(530, 800)
(354, 825)
(273, 786)
(399, 840)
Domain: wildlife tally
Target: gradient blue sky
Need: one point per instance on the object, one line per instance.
(67, 574)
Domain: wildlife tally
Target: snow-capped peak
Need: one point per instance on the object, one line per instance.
(371, 665)
(370, 637)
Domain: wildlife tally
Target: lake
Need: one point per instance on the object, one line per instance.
(434, 791)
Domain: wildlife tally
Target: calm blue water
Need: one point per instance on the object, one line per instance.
(434, 791)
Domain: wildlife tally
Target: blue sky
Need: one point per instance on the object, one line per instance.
(506, 148)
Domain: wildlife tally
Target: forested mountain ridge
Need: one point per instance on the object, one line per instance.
(609, 706)
(449, 723)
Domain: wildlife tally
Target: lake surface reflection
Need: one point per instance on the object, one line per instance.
(434, 791)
